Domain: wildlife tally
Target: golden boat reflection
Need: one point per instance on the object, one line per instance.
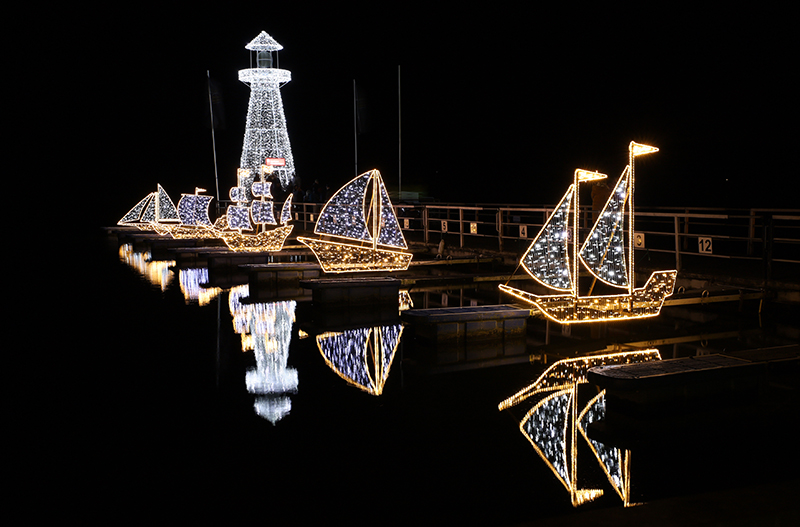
(362, 356)
(266, 328)
(559, 417)
(157, 272)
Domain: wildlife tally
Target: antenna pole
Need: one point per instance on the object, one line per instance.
(399, 142)
(355, 125)
(213, 138)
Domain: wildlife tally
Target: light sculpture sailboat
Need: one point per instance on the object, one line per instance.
(362, 356)
(364, 231)
(261, 211)
(555, 260)
(155, 212)
(557, 416)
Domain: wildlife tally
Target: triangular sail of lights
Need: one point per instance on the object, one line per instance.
(553, 422)
(614, 461)
(603, 253)
(546, 260)
(155, 212)
(363, 229)
(362, 356)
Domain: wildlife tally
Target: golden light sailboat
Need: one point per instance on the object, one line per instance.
(155, 212)
(361, 229)
(554, 259)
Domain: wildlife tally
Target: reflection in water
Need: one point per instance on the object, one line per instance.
(156, 272)
(266, 328)
(405, 300)
(362, 356)
(553, 423)
(191, 281)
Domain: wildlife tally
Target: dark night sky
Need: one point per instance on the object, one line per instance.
(498, 105)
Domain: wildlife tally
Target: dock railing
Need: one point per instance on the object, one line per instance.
(766, 235)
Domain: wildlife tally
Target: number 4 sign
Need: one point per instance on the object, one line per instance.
(704, 245)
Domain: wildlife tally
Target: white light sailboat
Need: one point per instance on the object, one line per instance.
(156, 212)
(607, 253)
(237, 218)
(365, 234)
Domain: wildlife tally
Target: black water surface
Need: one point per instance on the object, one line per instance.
(161, 425)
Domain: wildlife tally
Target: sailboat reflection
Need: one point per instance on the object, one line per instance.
(266, 328)
(553, 423)
(362, 356)
(157, 272)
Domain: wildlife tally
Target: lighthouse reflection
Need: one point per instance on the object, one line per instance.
(559, 417)
(266, 329)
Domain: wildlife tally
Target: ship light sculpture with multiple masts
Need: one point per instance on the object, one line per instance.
(363, 229)
(555, 260)
(261, 211)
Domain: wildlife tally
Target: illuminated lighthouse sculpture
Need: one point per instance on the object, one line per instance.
(265, 138)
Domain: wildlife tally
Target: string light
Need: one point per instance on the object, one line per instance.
(192, 282)
(238, 218)
(370, 238)
(265, 132)
(603, 252)
(266, 328)
(552, 424)
(361, 356)
(157, 272)
(548, 259)
(614, 461)
(156, 212)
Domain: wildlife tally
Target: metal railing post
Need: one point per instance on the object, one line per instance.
(461, 226)
(677, 221)
(425, 222)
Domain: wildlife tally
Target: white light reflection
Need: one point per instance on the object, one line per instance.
(266, 328)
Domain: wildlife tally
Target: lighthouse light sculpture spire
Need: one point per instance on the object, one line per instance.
(265, 131)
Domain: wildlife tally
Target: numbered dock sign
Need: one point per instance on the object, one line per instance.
(638, 240)
(704, 245)
(523, 231)
(444, 225)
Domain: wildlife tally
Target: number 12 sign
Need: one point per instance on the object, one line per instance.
(704, 245)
